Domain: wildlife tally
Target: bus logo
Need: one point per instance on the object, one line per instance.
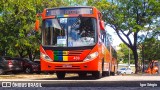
(6, 84)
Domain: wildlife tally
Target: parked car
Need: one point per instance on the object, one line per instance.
(1, 70)
(8, 64)
(125, 71)
(30, 66)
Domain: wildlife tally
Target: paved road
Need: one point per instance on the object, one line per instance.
(88, 83)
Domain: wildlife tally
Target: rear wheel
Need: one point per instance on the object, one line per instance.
(105, 73)
(60, 75)
(108, 73)
(113, 73)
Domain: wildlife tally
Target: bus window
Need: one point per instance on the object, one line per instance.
(82, 32)
(103, 36)
(69, 32)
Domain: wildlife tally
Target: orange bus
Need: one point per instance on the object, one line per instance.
(74, 41)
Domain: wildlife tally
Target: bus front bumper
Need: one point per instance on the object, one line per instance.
(93, 65)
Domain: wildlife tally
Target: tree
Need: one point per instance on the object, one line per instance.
(123, 54)
(128, 18)
(152, 49)
(150, 44)
(17, 19)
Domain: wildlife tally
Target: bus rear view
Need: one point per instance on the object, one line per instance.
(71, 42)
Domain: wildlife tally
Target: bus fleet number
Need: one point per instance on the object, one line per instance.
(76, 58)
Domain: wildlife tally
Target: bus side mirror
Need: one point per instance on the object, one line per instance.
(102, 26)
(36, 25)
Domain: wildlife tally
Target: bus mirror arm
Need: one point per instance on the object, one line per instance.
(102, 26)
(37, 23)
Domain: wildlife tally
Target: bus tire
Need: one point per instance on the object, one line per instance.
(82, 74)
(105, 73)
(113, 73)
(97, 74)
(108, 73)
(60, 75)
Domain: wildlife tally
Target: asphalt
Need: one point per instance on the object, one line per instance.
(119, 82)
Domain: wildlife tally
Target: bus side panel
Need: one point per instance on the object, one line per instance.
(106, 59)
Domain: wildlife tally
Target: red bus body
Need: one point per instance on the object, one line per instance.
(97, 59)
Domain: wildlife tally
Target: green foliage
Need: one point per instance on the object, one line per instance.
(128, 18)
(123, 54)
(151, 47)
(17, 19)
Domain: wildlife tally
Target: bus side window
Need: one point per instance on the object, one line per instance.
(103, 36)
(107, 42)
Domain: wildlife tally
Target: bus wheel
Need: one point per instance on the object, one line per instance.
(60, 75)
(105, 73)
(113, 73)
(82, 74)
(108, 73)
(97, 74)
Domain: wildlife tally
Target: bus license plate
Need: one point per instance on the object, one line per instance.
(67, 66)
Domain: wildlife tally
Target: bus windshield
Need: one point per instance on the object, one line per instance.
(69, 32)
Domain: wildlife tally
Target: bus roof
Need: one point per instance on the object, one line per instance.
(71, 7)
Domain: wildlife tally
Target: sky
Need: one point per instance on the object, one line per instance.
(116, 40)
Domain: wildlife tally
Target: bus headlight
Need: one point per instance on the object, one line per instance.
(45, 57)
(91, 56)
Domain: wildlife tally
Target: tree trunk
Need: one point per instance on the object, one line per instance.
(136, 60)
(29, 54)
(3, 53)
(20, 54)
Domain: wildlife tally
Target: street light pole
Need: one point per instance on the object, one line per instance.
(143, 57)
(129, 59)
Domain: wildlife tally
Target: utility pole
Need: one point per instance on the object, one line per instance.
(129, 59)
(143, 57)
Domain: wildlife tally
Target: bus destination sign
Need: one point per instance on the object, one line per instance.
(68, 11)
